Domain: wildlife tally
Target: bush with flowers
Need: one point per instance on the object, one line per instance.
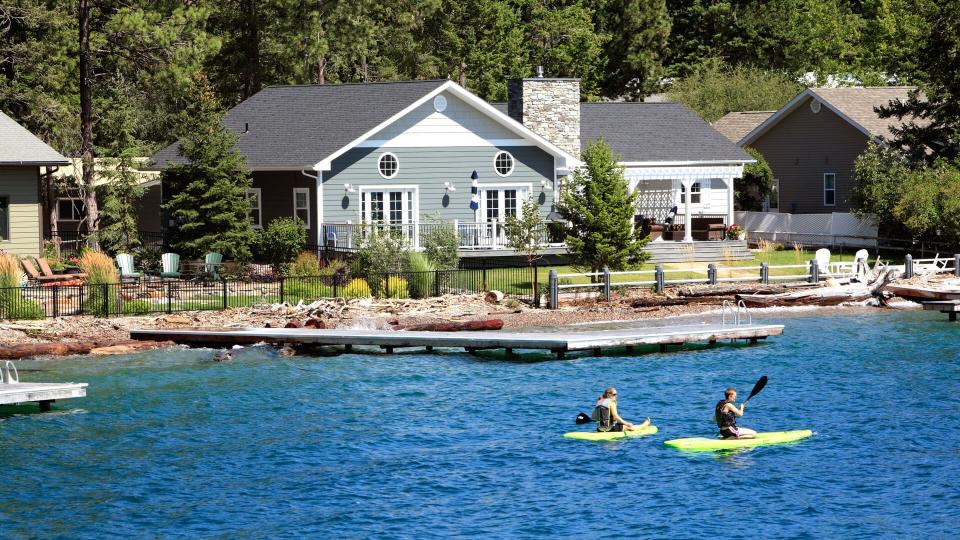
(735, 232)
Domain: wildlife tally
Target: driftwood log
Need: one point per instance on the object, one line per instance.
(822, 296)
(489, 324)
(729, 289)
(65, 348)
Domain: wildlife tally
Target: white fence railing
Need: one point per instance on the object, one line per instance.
(835, 229)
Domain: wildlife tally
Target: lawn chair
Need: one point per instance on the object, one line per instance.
(125, 262)
(823, 261)
(47, 272)
(170, 265)
(927, 267)
(212, 263)
(857, 267)
(35, 276)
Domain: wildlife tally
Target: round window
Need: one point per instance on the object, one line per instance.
(815, 106)
(439, 103)
(503, 163)
(388, 165)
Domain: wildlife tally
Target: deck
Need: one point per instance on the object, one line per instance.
(42, 393)
(950, 307)
(388, 340)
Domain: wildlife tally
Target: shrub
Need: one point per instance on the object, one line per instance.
(357, 288)
(336, 272)
(421, 282)
(297, 289)
(137, 307)
(12, 303)
(100, 271)
(305, 265)
(280, 241)
(441, 246)
(393, 287)
(382, 254)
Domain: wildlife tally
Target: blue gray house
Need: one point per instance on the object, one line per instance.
(406, 155)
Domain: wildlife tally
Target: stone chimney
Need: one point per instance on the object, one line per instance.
(548, 107)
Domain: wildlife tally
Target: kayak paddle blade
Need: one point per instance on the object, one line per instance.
(762, 382)
(584, 418)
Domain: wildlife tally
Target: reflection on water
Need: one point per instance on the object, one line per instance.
(168, 443)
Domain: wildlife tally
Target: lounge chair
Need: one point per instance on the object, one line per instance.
(928, 267)
(36, 277)
(170, 265)
(125, 262)
(212, 263)
(47, 272)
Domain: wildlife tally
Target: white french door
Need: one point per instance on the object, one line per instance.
(392, 209)
(497, 203)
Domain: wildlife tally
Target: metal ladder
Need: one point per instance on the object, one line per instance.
(739, 313)
(9, 374)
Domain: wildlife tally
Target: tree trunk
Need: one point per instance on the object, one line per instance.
(252, 80)
(490, 324)
(463, 74)
(86, 123)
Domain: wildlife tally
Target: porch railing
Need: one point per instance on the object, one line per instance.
(470, 236)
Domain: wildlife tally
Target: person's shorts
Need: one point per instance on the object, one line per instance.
(616, 426)
(730, 433)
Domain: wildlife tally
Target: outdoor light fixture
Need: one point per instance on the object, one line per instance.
(449, 186)
(348, 188)
(546, 185)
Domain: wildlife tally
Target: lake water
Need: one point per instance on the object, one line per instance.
(169, 444)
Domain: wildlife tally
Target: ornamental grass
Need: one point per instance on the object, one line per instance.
(12, 303)
(103, 283)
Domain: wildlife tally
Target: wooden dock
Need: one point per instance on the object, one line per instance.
(42, 393)
(950, 307)
(389, 340)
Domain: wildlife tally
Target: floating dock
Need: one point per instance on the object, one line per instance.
(42, 393)
(390, 340)
(950, 307)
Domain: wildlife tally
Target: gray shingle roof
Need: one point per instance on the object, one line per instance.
(297, 126)
(20, 147)
(655, 132)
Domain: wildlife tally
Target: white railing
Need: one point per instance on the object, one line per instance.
(470, 235)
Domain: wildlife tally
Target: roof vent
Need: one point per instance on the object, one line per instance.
(539, 72)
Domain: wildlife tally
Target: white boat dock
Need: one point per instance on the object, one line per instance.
(950, 307)
(12, 391)
(390, 340)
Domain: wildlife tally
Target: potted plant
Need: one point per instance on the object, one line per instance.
(735, 232)
(72, 266)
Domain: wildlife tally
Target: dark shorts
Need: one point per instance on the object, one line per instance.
(729, 433)
(616, 426)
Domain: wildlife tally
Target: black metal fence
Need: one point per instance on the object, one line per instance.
(168, 296)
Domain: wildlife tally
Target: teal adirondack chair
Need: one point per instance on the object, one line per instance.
(125, 262)
(211, 264)
(170, 265)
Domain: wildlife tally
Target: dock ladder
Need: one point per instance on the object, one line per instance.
(739, 313)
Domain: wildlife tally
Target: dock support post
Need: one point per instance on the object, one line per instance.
(629, 349)
(554, 280)
(663, 347)
(712, 342)
(908, 266)
(348, 347)
(952, 316)
(606, 283)
(45, 404)
(815, 271)
(429, 348)
(753, 341)
(712, 274)
(509, 350)
(388, 349)
(764, 273)
(597, 351)
(658, 276)
(561, 354)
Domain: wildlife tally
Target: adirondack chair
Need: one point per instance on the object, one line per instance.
(170, 265)
(125, 263)
(212, 263)
(823, 261)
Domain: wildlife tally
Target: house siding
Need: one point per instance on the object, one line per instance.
(429, 169)
(801, 148)
(460, 120)
(22, 185)
(276, 196)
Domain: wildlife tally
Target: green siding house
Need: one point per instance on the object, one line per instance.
(406, 155)
(21, 156)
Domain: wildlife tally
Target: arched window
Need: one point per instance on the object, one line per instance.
(503, 163)
(388, 165)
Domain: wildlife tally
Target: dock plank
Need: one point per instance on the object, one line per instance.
(25, 392)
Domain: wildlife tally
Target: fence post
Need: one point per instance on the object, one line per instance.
(606, 283)
(908, 266)
(281, 289)
(436, 282)
(224, 282)
(764, 273)
(485, 287)
(814, 272)
(536, 285)
(386, 286)
(658, 276)
(712, 274)
(56, 301)
(106, 299)
(956, 264)
(169, 297)
(554, 281)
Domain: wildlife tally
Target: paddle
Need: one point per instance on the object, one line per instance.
(584, 418)
(761, 383)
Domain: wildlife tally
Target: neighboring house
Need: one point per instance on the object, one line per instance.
(21, 157)
(68, 209)
(738, 124)
(347, 158)
(812, 143)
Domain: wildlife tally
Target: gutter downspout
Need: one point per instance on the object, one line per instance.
(318, 178)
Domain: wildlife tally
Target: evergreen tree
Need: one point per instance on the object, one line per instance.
(714, 89)
(208, 193)
(755, 184)
(639, 31)
(599, 206)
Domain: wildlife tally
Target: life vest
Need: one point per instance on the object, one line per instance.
(724, 419)
(601, 415)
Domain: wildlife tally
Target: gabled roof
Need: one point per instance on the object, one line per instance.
(20, 147)
(853, 104)
(306, 127)
(656, 132)
(735, 126)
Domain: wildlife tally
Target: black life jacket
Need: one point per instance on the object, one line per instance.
(601, 415)
(724, 419)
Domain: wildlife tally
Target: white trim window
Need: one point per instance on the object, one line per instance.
(389, 205)
(503, 163)
(70, 209)
(256, 212)
(388, 165)
(301, 205)
(695, 193)
(829, 189)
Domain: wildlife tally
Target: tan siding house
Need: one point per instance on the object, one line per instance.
(21, 156)
(812, 143)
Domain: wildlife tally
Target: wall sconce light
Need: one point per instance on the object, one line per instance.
(349, 188)
(544, 185)
(449, 186)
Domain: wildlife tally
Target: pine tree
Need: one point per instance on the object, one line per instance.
(599, 207)
(208, 193)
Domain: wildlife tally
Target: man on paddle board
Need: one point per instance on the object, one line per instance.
(606, 416)
(725, 415)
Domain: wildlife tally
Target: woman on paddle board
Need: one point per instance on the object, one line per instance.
(725, 415)
(607, 417)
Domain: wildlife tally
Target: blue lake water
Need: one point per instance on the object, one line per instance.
(169, 444)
